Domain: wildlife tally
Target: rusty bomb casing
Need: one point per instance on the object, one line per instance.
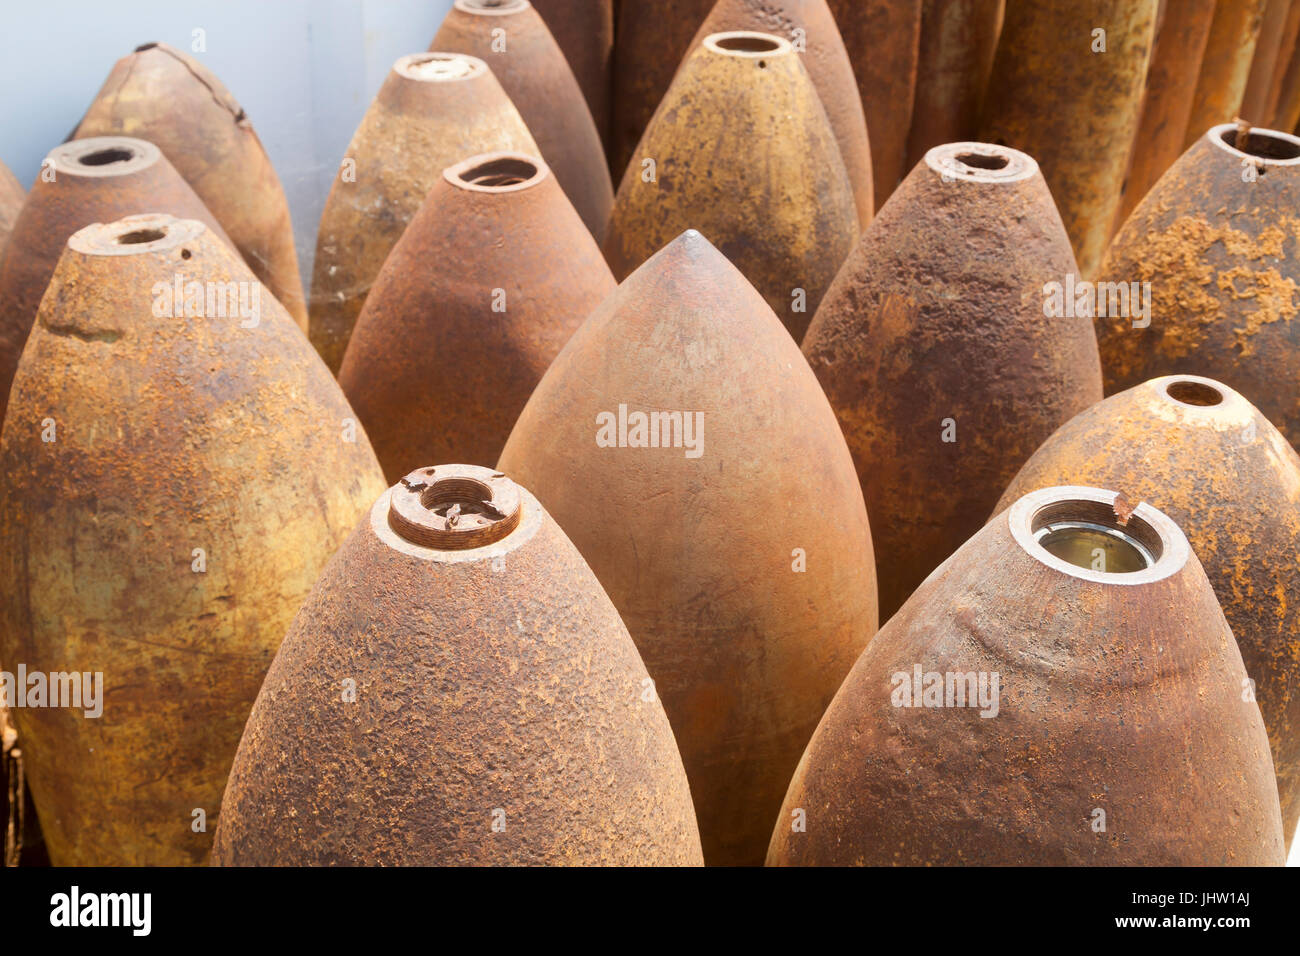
(83, 182)
(954, 59)
(778, 204)
(1225, 65)
(536, 76)
(1056, 94)
(883, 38)
(585, 33)
(936, 352)
(458, 690)
(433, 111)
(1212, 252)
(1206, 457)
(176, 467)
(1062, 691)
(1181, 35)
(484, 288)
(165, 96)
(809, 22)
(650, 39)
(686, 449)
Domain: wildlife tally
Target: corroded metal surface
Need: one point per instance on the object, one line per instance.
(1218, 239)
(169, 98)
(809, 24)
(1118, 735)
(12, 785)
(740, 561)
(935, 353)
(173, 482)
(1225, 66)
(883, 39)
(493, 275)
(451, 705)
(83, 182)
(1279, 87)
(1056, 95)
(1167, 103)
(433, 111)
(1274, 47)
(534, 73)
(1284, 96)
(744, 152)
(1202, 454)
(650, 39)
(954, 59)
(12, 195)
(585, 33)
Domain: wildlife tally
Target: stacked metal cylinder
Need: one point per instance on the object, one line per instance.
(797, 432)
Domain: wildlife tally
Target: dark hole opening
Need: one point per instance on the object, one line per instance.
(141, 235)
(1262, 143)
(1194, 393)
(102, 157)
(983, 160)
(474, 497)
(749, 45)
(500, 172)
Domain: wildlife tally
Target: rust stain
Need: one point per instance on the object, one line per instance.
(1216, 240)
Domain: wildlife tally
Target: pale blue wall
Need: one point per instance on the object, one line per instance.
(304, 71)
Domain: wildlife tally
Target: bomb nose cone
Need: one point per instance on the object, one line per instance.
(499, 672)
(692, 242)
(169, 98)
(542, 86)
(454, 507)
(691, 251)
(134, 235)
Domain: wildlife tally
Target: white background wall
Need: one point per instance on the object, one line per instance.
(304, 71)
